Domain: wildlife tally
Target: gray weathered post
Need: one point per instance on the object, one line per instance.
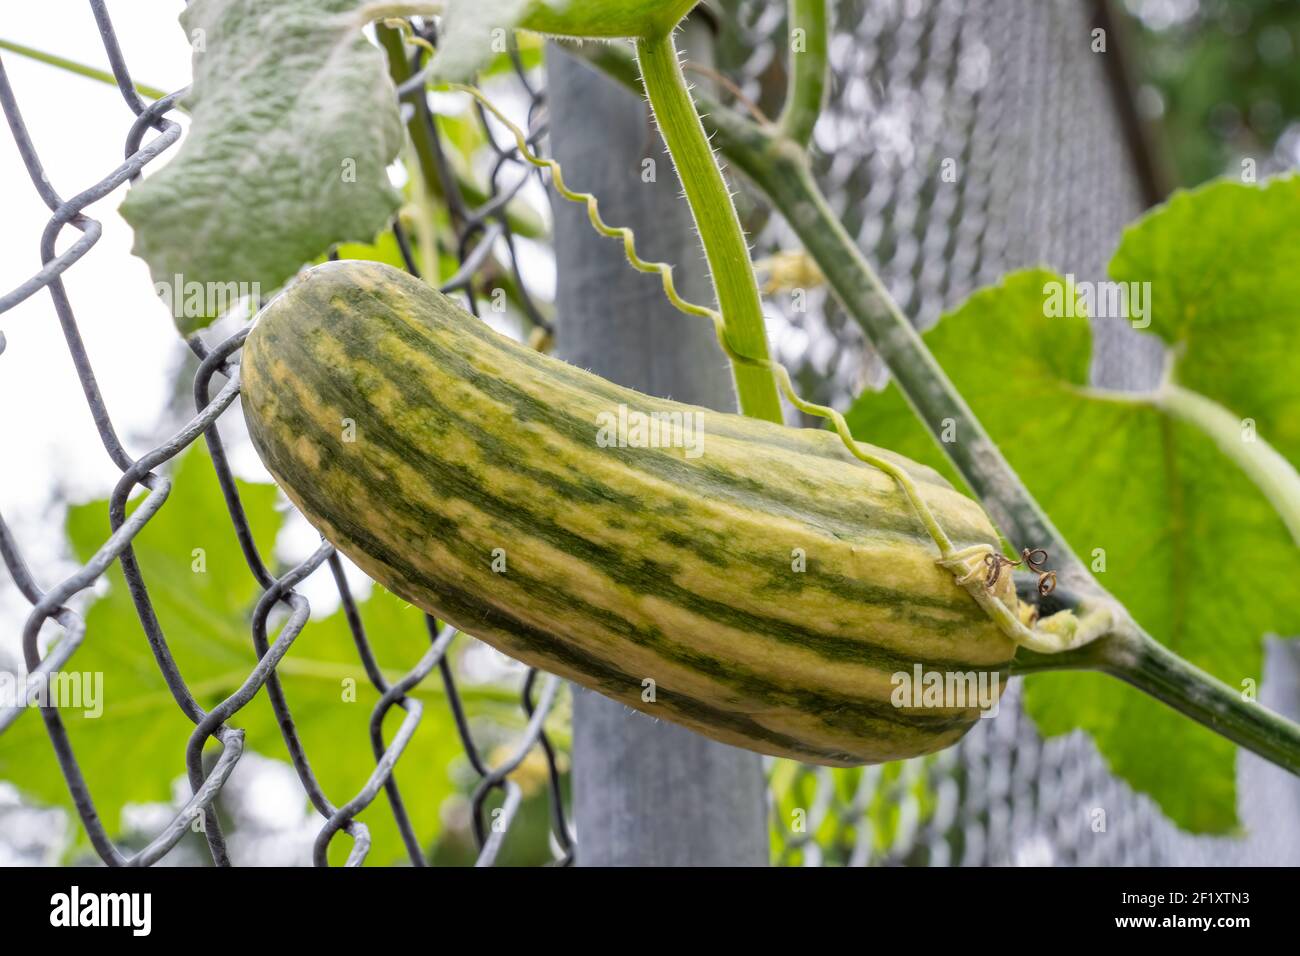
(645, 792)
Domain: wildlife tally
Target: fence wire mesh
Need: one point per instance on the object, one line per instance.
(1005, 89)
(479, 230)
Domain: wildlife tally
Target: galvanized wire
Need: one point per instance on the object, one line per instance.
(478, 231)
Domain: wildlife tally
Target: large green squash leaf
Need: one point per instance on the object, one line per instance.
(1224, 266)
(1171, 526)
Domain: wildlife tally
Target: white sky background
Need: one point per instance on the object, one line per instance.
(49, 446)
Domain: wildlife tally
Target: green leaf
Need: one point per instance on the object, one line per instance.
(1190, 545)
(384, 249)
(203, 594)
(473, 30)
(1222, 263)
(294, 123)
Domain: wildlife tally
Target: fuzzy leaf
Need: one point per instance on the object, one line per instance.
(1190, 545)
(472, 31)
(1222, 263)
(294, 123)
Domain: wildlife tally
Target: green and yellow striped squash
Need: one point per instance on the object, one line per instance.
(419, 441)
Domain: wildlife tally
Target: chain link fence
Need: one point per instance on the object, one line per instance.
(481, 230)
(1011, 94)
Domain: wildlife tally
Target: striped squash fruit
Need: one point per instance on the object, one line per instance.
(771, 587)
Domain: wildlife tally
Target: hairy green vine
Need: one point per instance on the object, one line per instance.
(716, 222)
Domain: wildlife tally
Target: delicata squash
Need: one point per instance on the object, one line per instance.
(751, 581)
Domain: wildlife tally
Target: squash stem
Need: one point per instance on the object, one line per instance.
(1139, 660)
(716, 220)
(1275, 477)
(807, 70)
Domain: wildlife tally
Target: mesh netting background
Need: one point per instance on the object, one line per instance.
(1012, 92)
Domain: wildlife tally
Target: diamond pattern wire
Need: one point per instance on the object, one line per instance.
(218, 362)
